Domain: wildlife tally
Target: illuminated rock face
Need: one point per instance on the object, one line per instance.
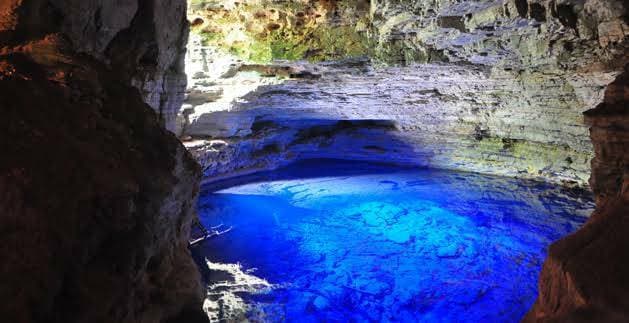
(96, 196)
(435, 115)
(262, 30)
(489, 86)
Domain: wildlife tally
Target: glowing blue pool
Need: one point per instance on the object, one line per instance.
(344, 241)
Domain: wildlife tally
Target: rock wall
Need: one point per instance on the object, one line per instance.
(145, 40)
(488, 86)
(436, 115)
(584, 278)
(96, 196)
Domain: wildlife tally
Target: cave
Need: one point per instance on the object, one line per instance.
(314, 160)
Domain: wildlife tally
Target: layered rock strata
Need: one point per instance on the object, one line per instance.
(434, 115)
(96, 196)
(489, 86)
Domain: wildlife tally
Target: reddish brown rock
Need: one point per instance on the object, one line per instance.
(586, 275)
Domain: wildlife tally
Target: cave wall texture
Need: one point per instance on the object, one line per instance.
(96, 197)
(584, 278)
(494, 86)
(145, 40)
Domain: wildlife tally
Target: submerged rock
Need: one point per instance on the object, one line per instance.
(439, 245)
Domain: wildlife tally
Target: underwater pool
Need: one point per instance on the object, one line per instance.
(339, 241)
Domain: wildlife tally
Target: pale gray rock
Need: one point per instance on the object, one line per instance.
(496, 87)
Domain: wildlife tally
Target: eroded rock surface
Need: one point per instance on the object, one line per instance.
(489, 86)
(435, 115)
(262, 31)
(96, 196)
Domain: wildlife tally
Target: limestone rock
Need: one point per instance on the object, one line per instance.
(262, 31)
(489, 86)
(445, 116)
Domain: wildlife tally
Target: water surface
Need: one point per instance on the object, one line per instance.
(341, 241)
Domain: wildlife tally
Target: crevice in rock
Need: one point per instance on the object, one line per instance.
(567, 16)
(537, 11)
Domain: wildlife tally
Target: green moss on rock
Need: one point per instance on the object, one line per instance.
(265, 31)
(534, 159)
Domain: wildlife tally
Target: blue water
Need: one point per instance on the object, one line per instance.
(357, 242)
